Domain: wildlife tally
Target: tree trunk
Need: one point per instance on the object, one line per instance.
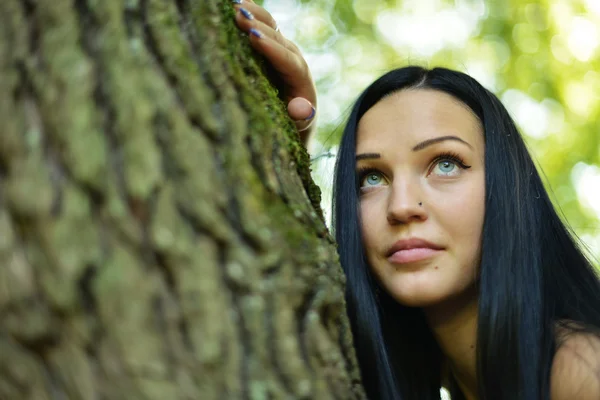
(160, 235)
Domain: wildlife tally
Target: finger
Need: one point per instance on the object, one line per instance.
(304, 116)
(286, 62)
(302, 112)
(291, 67)
(259, 13)
(246, 20)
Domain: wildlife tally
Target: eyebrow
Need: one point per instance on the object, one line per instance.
(367, 156)
(420, 146)
(429, 142)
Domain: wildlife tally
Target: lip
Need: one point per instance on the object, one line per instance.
(412, 250)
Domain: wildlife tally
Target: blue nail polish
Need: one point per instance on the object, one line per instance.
(312, 114)
(236, 1)
(246, 13)
(256, 33)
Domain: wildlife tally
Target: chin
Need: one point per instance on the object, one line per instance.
(433, 296)
(418, 300)
(416, 288)
(425, 287)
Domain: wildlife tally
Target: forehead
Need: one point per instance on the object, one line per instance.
(416, 115)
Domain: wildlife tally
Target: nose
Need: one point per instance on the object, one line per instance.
(406, 203)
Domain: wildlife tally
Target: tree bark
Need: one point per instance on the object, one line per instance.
(160, 235)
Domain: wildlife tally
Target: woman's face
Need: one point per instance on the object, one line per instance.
(420, 157)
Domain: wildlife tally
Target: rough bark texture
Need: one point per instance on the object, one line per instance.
(160, 236)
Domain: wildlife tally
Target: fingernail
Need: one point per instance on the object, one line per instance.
(256, 33)
(236, 1)
(246, 13)
(312, 114)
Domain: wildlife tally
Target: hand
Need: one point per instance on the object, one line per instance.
(298, 87)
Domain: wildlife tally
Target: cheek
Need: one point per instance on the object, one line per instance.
(366, 221)
(370, 217)
(465, 222)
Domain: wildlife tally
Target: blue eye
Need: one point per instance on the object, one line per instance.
(446, 167)
(370, 178)
(373, 178)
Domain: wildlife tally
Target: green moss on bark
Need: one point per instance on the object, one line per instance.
(160, 232)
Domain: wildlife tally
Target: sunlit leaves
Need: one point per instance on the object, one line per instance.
(541, 57)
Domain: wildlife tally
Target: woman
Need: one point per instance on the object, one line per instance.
(459, 271)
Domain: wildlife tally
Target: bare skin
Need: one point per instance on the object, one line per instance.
(447, 295)
(298, 86)
(413, 190)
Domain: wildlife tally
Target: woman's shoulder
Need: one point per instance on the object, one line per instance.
(576, 365)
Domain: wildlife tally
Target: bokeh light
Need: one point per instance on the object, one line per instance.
(540, 57)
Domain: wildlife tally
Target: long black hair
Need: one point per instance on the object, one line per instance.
(532, 275)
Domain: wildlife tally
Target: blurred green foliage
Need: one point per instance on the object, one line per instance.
(541, 57)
